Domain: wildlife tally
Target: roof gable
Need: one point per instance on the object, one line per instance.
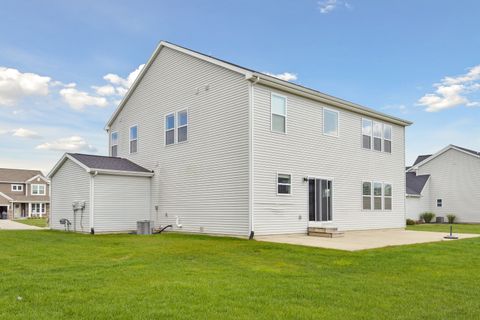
(415, 184)
(418, 164)
(256, 76)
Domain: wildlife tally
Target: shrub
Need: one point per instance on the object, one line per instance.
(451, 218)
(427, 216)
(410, 222)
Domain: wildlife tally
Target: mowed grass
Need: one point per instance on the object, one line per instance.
(457, 228)
(37, 222)
(173, 276)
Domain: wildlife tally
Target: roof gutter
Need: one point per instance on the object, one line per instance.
(324, 98)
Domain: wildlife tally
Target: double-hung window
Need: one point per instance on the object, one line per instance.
(367, 195)
(278, 106)
(439, 203)
(284, 183)
(133, 139)
(170, 129)
(377, 196)
(387, 196)
(114, 144)
(182, 126)
(367, 134)
(38, 189)
(377, 136)
(330, 122)
(387, 138)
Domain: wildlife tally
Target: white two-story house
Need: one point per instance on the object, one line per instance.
(238, 152)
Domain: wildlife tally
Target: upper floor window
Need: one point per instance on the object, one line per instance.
(367, 133)
(377, 136)
(279, 113)
(170, 129)
(38, 189)
(182, 127)
(133, 139)
(387, 138)
(330, 122)
(114, 144)
(284, 183)
(17, 187)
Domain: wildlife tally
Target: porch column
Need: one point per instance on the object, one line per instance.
(29, 209)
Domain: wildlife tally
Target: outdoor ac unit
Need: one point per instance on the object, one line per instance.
(144, 227)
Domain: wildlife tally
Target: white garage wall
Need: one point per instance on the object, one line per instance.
(119, 202)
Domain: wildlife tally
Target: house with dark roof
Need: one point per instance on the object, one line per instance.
(223, 149)
(23, 194)
(447, 182)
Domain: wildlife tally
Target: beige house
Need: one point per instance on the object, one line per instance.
(23, 194)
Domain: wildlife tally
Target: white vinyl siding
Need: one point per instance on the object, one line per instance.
(116, 208)
(306, 152)
(279, 113)
(203, 182)
(70, 183)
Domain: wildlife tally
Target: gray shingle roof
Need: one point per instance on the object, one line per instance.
(416, 183)
(467, 150)
(421, 158)
(18, 175)
(108, 163)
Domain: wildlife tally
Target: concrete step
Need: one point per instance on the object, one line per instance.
(336, 234)
(318, 229)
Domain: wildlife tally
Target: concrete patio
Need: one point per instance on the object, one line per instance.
(362, 240)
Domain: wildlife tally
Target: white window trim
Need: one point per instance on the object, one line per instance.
(284, 184)
(177, 126)
(338, 122)
(116, 144)
(39, 194)
(282, 115)
(372, 196)
(371, 134)
(174, 114)
(17, 189)
(130, 139)
(383, 138)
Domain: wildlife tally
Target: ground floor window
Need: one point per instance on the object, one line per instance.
(376, 196)
(38, 208)
(284, 183)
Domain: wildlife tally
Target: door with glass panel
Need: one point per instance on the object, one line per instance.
(320, 194)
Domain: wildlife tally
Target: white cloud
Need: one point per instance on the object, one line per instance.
(327, 6)
(70, 144)
(287, 76)
(122, 84)
(453, 91)
(78, 100)
(14, 85)
(21, 133)
(106, 90)
(25, 133)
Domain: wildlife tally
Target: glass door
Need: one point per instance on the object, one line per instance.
(320, 199)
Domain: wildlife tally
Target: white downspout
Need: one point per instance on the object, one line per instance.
(251, 167)
(92, 201)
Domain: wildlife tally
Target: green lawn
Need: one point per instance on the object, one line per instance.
(38, 222)
(173, 276)
(457, 228)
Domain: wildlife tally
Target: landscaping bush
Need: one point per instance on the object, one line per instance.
(427, 216)
(410, 222)
(451, 218)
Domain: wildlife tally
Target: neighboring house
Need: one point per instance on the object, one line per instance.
(237, 152)
(447, 182)
(24, 193)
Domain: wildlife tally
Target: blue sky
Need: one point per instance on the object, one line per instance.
(412, 59)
